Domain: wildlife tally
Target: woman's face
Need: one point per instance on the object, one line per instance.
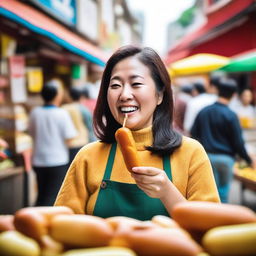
(132, 90)
(246, 97)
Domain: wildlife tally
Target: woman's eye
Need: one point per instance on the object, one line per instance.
(115, 86)
(136, 84)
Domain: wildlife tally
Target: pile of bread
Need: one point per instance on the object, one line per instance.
(196, 228)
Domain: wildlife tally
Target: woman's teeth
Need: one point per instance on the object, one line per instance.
(128, 109)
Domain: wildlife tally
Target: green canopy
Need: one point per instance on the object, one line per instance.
(242, 64)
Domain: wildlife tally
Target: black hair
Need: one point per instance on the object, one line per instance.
(188, 88)
(85, 92)
(75, 93)
(215, 78)
(199, 87)
(50, 91)
(227, 87)
(165, 139)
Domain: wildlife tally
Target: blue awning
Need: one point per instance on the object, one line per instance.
(44, 25)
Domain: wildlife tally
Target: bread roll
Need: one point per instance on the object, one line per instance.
(157, 241)
(231, 240)
(6, 223)
(101, 251)
(205, 215)
(117, 221)
(81, 230)
(165, 221)
(31, 223)
(13, 243)
(34, 221)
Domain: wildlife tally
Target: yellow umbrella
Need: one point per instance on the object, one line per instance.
(197, 64)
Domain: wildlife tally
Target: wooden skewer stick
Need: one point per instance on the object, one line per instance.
(125, 119)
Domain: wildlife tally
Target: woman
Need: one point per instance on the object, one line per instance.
(244, 109)
(175, 168)
(51, 129)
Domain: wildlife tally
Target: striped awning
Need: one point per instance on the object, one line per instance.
(41, 24)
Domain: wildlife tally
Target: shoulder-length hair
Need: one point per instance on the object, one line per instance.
(165, 139)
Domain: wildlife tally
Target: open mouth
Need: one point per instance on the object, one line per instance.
(128, 109)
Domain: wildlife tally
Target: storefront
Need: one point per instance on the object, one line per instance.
(229, 31)
(34, 48)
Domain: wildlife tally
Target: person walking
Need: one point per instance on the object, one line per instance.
(51, 129)
(181, 99)
(82, 119)
(217, 128)
(205, 96)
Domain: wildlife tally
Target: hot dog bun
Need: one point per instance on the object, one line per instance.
(6, 223)
(164, 221)
(128, 148)
(34, 221)
(117, 221)
(202, 216)
(157, 241)
(80, 230)
(236, 240)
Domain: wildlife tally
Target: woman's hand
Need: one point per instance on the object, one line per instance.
(153, 181)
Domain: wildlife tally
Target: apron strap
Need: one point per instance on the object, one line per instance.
(110, 162)
(167, 166)
(111, 158)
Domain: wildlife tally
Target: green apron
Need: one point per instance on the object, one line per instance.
(125, 199)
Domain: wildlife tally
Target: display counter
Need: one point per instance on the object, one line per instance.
(11, 189)
(247, 178)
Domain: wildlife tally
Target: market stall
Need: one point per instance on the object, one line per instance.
(247, 177)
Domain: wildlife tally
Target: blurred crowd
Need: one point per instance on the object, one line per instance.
(223, 120)
(60, 127)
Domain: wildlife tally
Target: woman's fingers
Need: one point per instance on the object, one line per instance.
(151, 171)
(150, 190)
(144, 179)
(151, 180)
(149, 175)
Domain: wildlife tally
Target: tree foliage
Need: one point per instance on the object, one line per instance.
(187, 17)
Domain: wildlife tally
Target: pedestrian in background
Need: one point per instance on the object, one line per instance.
(195, 104)
(205, 97)
(218, 129)
(82, 119)
(51, 129)
(85, 99)
(182, 97)
(244, 109)
(94, 77)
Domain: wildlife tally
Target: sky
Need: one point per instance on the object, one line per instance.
(158, 13)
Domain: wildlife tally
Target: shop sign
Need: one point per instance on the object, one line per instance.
(17, 79)
(64, 10)
(87, 11)
(17, 66)
(8, 45)
(34, 79)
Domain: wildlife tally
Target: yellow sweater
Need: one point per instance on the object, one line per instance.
(191, 172)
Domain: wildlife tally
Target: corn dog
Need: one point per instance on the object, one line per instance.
(127, 145)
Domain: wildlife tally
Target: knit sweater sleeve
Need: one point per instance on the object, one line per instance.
(200, 184)
(73, 192)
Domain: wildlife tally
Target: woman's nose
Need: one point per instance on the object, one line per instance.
(126, 93)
